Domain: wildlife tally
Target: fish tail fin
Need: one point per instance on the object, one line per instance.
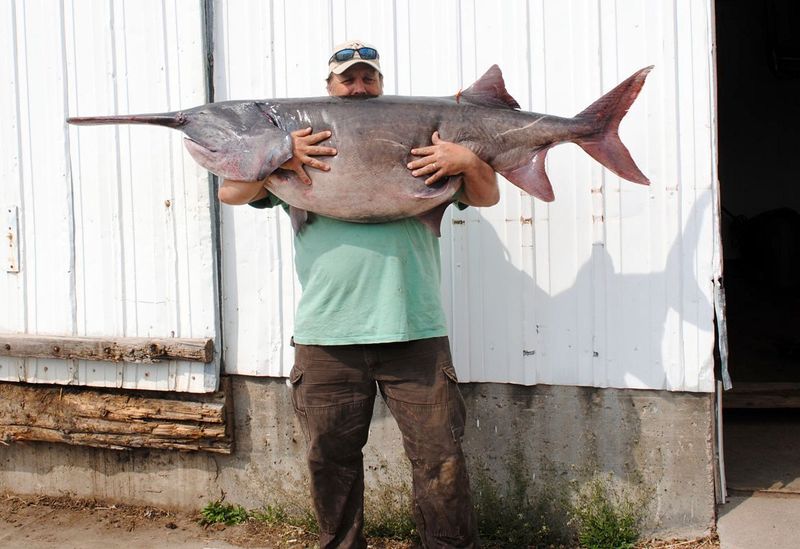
(604, 145)
(169, 119)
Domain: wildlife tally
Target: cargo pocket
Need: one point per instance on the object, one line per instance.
(295, 378)
(456, 409)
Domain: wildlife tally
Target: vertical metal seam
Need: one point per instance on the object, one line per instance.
(71, 236)
(207, 22)
(120, 369)
(20, 179)
(171, 225)
(21, 169)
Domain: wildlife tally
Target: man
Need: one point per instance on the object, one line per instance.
(371, 312)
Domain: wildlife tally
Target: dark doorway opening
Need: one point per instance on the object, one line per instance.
(758, 93)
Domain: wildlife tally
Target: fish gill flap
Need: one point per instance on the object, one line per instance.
(490, 91)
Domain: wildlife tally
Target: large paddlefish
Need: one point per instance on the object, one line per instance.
(368, 181)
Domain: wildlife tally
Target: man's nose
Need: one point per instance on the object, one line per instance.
(359, 88)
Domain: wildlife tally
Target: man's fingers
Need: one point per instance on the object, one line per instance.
(318, 164)
(301, 173)
(429, 168)
(315, 138)
(435, 177)
(321, 151)
(296, 165)
(423, 151)
(301, 133)
(421, 162)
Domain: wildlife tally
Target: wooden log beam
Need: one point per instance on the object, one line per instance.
(108, 441)
(117, 419)
(119, 349)
(16, 398)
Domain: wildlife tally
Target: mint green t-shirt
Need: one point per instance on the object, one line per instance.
(367, 283)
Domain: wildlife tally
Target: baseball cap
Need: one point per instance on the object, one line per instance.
(349, 51)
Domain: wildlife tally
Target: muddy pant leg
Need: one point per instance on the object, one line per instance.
(422, 394)
(334, 402)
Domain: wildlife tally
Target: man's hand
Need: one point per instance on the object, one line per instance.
(439, 160)
(304, 149)
(444, 158)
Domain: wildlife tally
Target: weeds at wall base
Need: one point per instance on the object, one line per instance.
(218, 512)
(598, 514)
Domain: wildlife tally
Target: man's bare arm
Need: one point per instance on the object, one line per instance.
(237, 193)
(444, 158)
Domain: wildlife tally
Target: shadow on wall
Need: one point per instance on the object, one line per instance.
(606, 328)
(553, 439)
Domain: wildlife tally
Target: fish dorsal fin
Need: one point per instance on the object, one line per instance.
(490, 91)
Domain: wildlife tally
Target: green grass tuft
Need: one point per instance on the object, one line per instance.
(606, 518)
(226, 513)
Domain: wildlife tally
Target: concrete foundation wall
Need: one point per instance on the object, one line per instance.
(655, 445)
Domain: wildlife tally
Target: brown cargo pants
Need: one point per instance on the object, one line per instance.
(334, 390)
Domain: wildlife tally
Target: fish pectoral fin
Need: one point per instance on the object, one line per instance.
(532, 178)
(444, 186)
(299, 218)
(432, 219)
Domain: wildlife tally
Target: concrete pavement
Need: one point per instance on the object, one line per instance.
(760, 521)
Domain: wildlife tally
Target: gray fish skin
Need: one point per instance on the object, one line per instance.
(368, 181)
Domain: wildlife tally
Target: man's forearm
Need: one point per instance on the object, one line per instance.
(236, 193)
(480, 185)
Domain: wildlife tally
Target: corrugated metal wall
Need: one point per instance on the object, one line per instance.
(610, 285)
(115, 230)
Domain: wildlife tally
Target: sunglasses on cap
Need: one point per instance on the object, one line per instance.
(348, 53)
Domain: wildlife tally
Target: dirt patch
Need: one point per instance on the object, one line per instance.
(69, 522)
(39, 521)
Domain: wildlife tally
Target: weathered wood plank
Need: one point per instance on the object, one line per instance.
(110, 441)
(100, 426)
(116, 406)
(116, 419)
(119, 349)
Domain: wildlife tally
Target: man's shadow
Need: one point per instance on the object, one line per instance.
(647, 330)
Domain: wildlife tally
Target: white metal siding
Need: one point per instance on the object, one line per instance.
(115, 224)
(611, 284)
